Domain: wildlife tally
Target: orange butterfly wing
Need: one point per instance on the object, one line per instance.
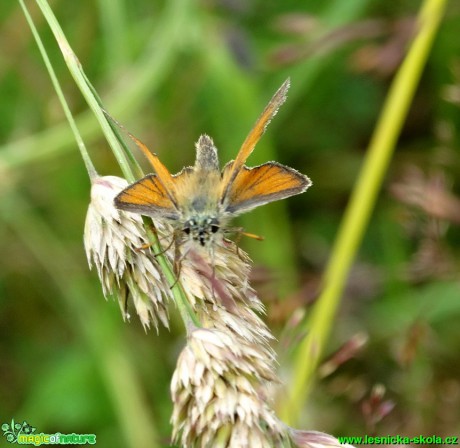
(163, 175)
(154, 195)
(148, 197)
(262, 184)
(254, 136)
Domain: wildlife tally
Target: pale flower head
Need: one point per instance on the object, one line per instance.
(216, 274)
(218, 391)
(112, 241)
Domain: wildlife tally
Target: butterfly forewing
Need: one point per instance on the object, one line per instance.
(254, 136)
(149, 197)
(262, 184)
(163, 174)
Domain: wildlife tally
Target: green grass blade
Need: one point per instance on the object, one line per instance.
(360, 207)
(145, 77)
(76, 71)
(81, 145)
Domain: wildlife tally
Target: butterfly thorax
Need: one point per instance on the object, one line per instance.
(198, 195)
(201, 216)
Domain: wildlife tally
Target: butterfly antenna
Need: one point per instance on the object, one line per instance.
(240, 233)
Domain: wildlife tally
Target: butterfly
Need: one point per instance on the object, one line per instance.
(200, 200)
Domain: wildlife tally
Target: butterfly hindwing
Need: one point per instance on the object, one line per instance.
(262, 184)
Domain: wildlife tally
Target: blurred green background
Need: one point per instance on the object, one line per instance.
(170, 71)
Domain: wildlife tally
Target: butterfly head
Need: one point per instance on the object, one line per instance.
(201, 229)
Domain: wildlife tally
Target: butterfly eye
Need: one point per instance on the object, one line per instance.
(186, 230)
(213, 224)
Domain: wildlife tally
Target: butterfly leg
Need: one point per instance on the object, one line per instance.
(166, 248)
(177, 263)
(149, 244)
